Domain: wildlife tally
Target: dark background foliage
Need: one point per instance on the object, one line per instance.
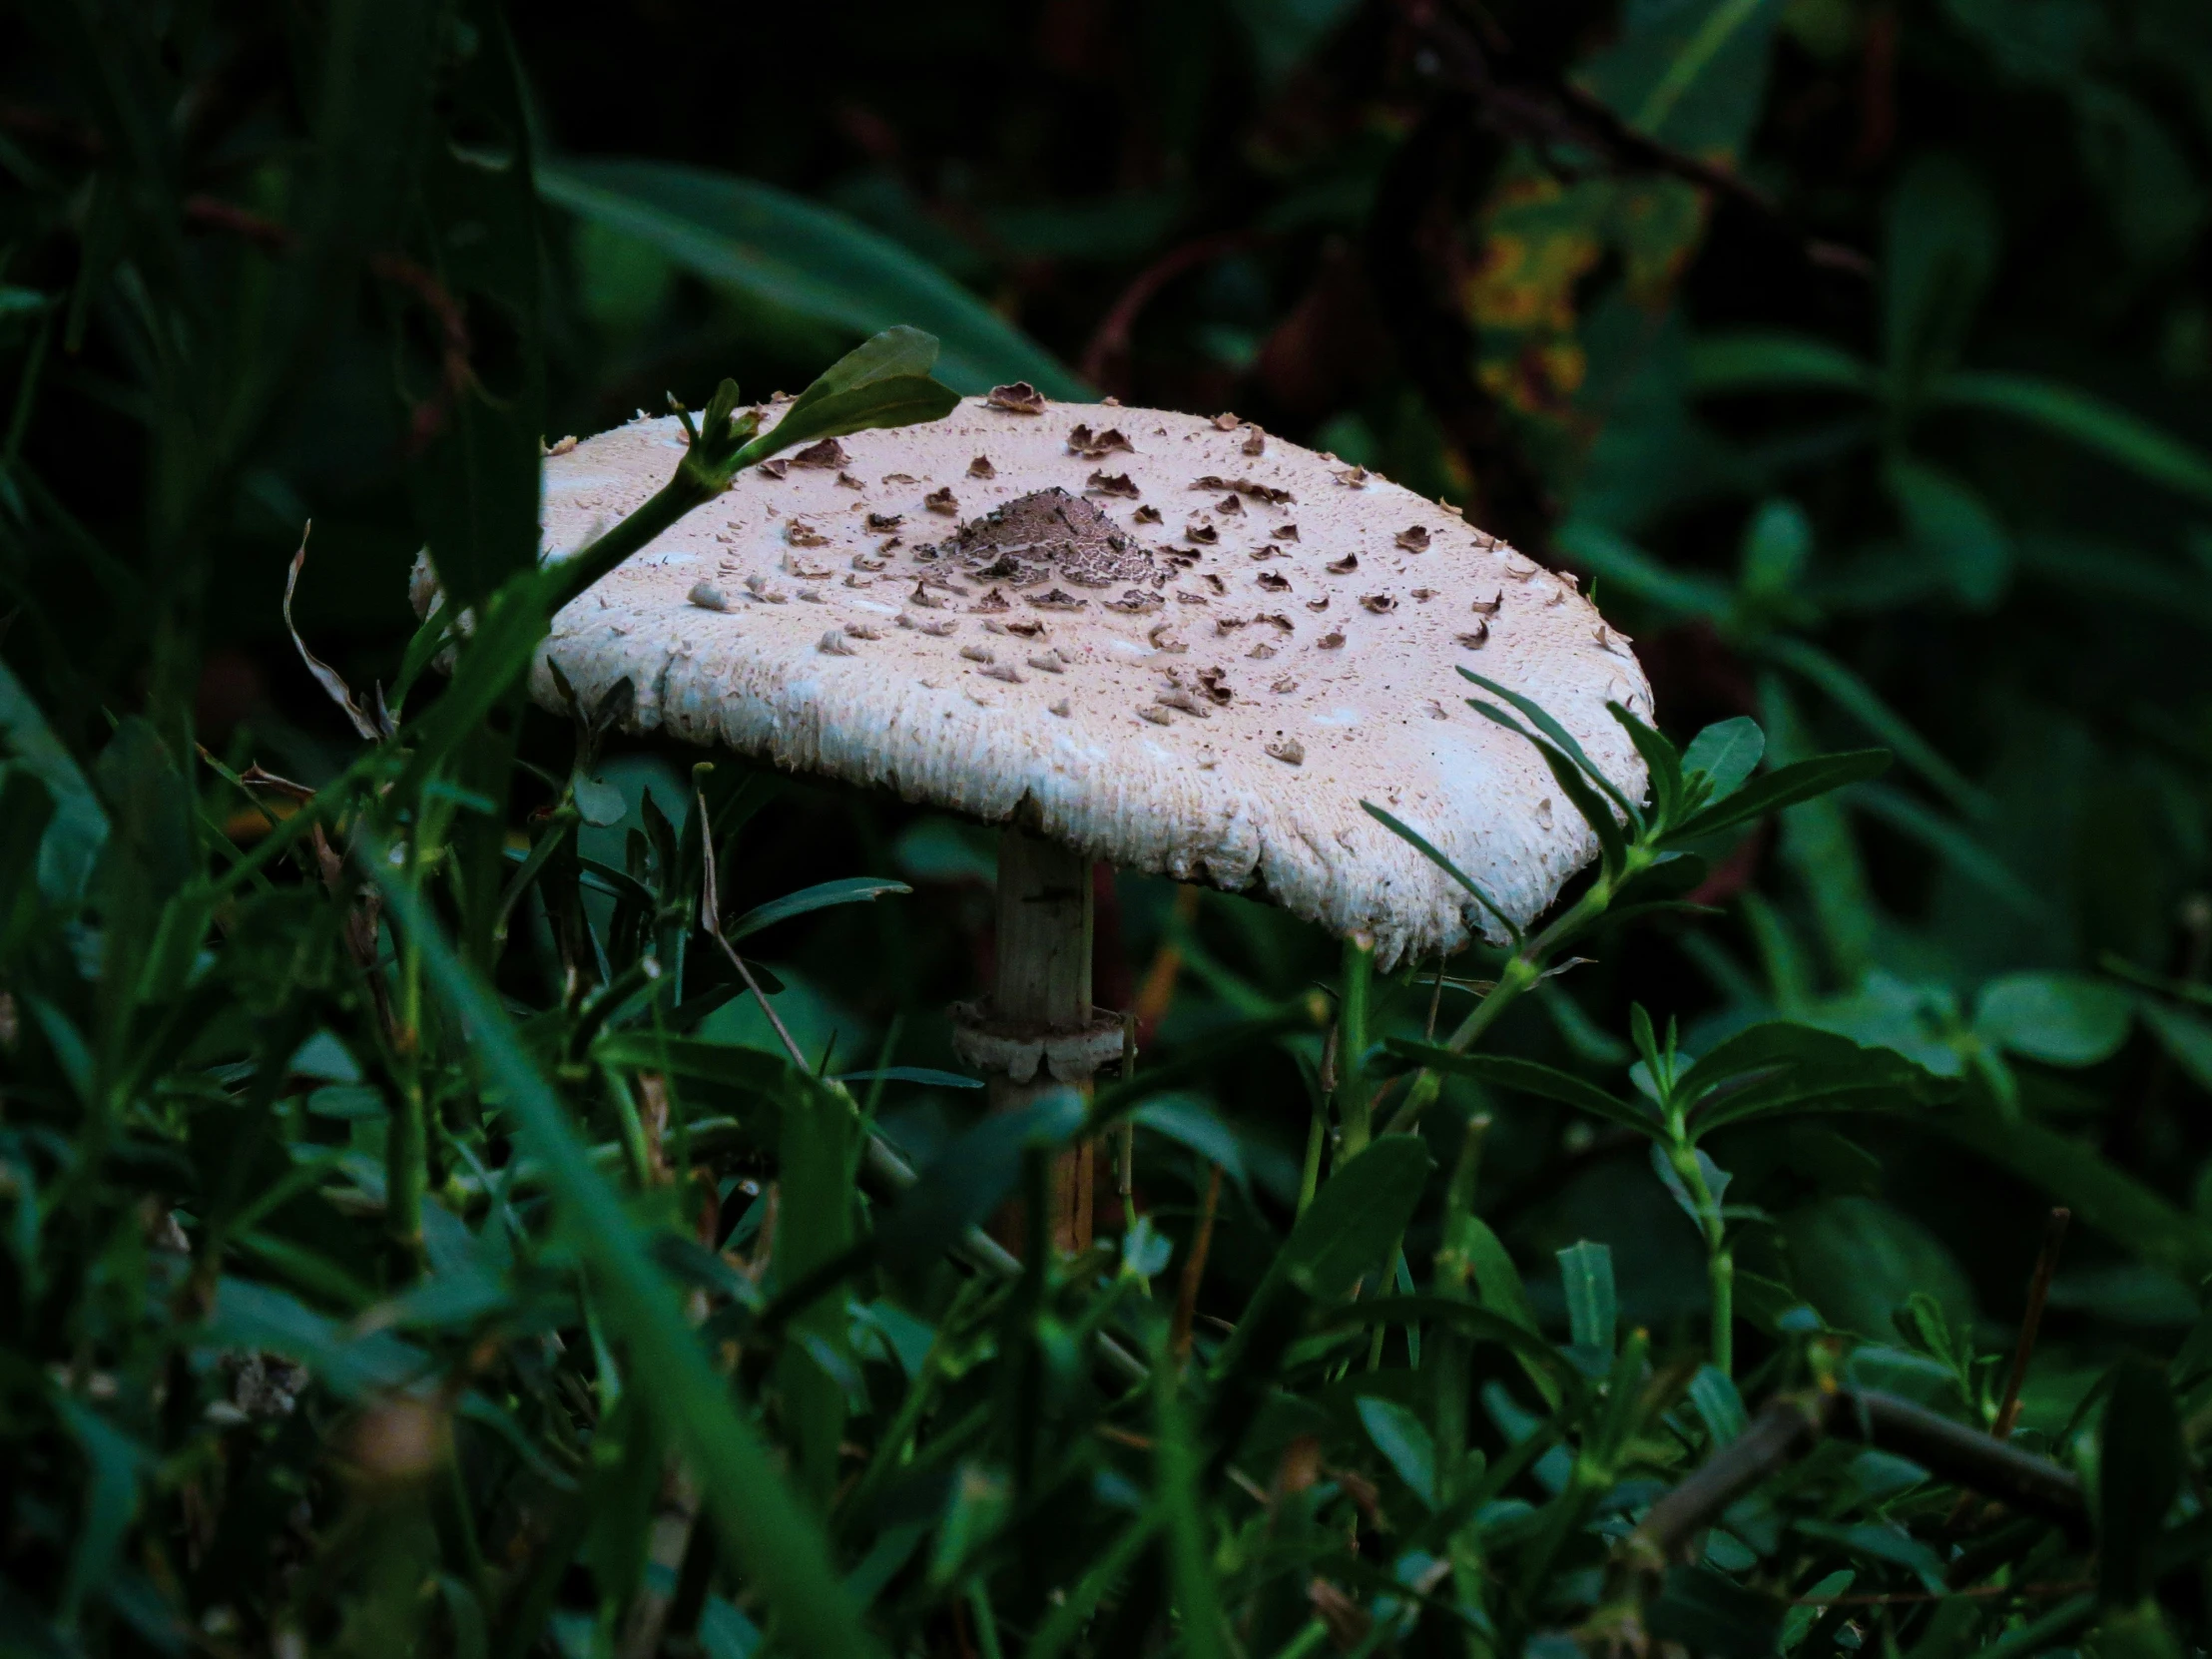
(1856, 353)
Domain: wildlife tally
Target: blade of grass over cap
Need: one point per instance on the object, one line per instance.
(1561, 739)
(1422, 844)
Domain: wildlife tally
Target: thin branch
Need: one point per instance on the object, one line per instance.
(710, 919)
(1194, 1270)
(2032, 1321)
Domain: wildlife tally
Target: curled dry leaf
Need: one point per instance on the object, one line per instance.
(880, 522)
(981, 467)
(1147, 515)
(1344, 566)
(1415, 538)
(1019, 397)
(1111, 483)
(942, 501)
(326, 676)
(1289, 751)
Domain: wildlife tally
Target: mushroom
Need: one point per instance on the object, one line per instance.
(1127, 744)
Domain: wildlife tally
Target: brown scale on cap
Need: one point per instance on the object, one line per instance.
(1044, 535)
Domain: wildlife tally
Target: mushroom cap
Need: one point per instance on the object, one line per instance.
(1197, 657)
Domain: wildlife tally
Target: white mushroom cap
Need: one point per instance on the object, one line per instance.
(1275, 642)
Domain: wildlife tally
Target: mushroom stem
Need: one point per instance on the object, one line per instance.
(1043, 981)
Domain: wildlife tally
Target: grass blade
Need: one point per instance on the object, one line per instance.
(771, 1540)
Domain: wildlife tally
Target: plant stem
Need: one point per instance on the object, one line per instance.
(690, 487)
(1720, 1271)
(1317, 1137)
(1524, 971)
(1353, 1106)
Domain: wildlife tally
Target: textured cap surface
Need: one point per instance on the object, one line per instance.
(1175, 644)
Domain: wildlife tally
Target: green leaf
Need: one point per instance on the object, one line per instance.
(1860, 701)
(1859, 1260)
(770, 1537)
(1943, 237)
(1661, 759)
(967, 1183)
(1507, 1072)
(1620, 563)
(1726, 752)
(2140, 1461)
(1548, 1370)
(776, 249)
(1756, 361)
(78, 828)
(1560, 737)
(2061, 1019)
(2186, 1039)
(1404, 1441)
(1718, 1403)
(1785, 786)
(927, 1077)
(817, 1150)
(893, 401)
(1779, 1066)
(1954, 528)
(1192, 1123)
(850, 889)
(1708, 1613)
(1355, 1220)
(2073, 1173)
(1778, 545)
(1189, 1525)
(111, 1501)
(2095, 424)
(1593, 1306)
